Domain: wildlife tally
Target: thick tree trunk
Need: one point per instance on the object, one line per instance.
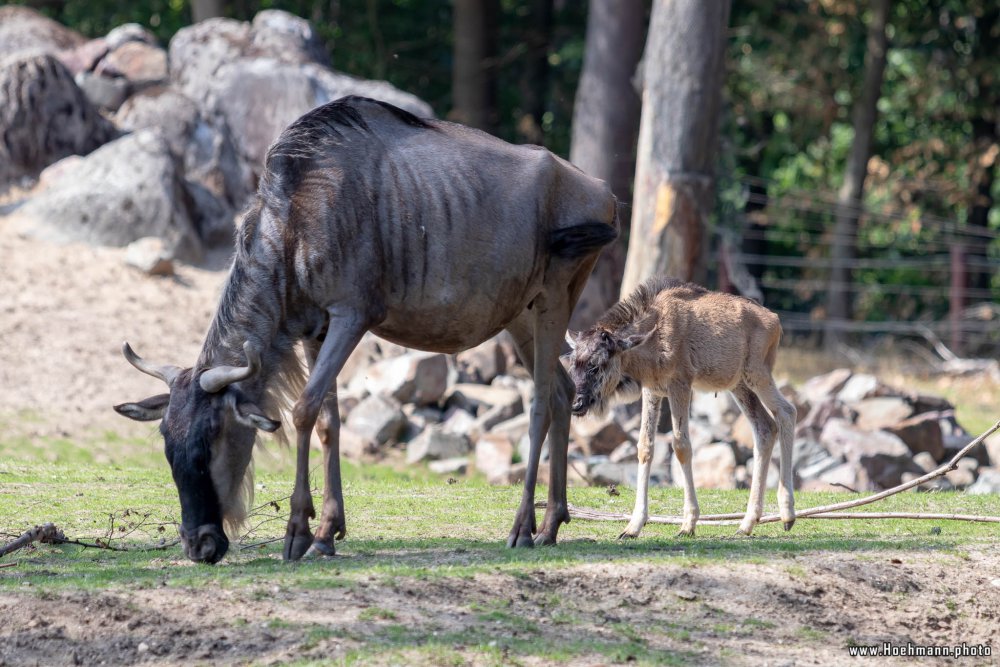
(207, 9)
(605, 125)
(473, 83)
(843, 245)
(683, 70)
(985, 135)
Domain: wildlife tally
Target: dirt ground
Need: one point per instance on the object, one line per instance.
(64, 312)
(801, 610)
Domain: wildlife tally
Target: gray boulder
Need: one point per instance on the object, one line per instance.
(435, 444)
(25, 30)
(988, 482)
(44, 116)
(287, 37)
(124, 191)
(377, 418)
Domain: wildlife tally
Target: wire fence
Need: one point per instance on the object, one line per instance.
(907, 274)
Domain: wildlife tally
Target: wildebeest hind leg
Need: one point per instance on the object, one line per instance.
(332, 522)
(345, 331)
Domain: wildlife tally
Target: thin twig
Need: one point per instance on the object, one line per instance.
(3, 565)
(823, 511)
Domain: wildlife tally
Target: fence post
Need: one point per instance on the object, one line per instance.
(956, 296)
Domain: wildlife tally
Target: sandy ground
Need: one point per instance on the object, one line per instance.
(798, 610)
(64, 312)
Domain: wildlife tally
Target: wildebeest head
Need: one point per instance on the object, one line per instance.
(595, 366)
(209, 427)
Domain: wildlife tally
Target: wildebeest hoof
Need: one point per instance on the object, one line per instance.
(518, 539)
(543, 539)
(788, 524)
(320, 549)
(297, 545)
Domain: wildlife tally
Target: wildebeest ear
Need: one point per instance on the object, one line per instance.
(146, 410)
(250, 415)
(632, 340)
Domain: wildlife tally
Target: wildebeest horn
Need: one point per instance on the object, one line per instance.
(166, 373)
(217, 379)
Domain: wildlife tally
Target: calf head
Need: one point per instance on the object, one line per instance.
(209, 427)
(595, 366)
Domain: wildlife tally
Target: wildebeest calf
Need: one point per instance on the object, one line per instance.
(666, 338)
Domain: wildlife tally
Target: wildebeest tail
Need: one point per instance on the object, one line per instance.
(580, 240)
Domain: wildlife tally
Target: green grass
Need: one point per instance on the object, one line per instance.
(412, 526)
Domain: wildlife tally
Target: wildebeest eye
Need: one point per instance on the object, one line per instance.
(591, 371)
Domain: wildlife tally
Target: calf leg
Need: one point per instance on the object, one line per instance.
(647, 432)
(332, 522)
(539, 340)
(345, 331)
(784, 414)
(763, 444)
(679, 395)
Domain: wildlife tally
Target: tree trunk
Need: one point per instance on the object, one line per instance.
(845, 230)
(473, 83)
(605, 125)
(535, 79)
(207, 9)
(985, 136)
(683, 71)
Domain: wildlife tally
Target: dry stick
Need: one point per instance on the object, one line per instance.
(3, 565)
(44, 533)
(824, 511)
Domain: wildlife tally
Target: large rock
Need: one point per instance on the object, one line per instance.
(44, 116)
(714, 408)
(921, 434)
(494, 457)
(435, 444)
(285, 36)
(218, 183)
(713, 467)
(124, 191)
(377, 418)
(480, 398)
(598, 435)
(619, 474)
(25, 30)
(883, 456)
(415, 377)
(992, 445)
(481, 364)
(811, 459)
(988, 482)
(817, 389)
(881, 412)
(859, 387)
(141, 64)
(259, 85)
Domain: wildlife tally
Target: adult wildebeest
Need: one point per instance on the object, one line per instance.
(429, 234)
(667, 337)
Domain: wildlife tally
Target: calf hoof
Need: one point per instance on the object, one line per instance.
(627, 535)
(686, 532)
(788, 524)
(297, 545)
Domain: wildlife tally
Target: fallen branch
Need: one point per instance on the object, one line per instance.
(3, 565)
(824, 511)
(44, 533)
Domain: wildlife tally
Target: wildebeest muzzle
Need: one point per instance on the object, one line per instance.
(204, 544)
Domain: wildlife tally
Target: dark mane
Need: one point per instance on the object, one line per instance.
(631, 309)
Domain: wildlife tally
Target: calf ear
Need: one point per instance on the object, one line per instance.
(250, 415)
(146, 410)
(633, 340)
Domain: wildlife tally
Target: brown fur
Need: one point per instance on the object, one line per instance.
(668, 338)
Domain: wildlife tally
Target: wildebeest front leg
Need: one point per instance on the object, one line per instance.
(539, 338)
(332, 522)
(343, 335)
(647, 434)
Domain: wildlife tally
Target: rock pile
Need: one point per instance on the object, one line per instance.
(116, 138)
(470, 412)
